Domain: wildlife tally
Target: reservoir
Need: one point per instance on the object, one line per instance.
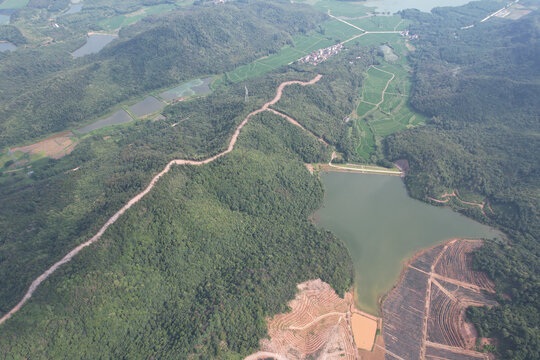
(382, 227)
(394, 6)
(94, 43)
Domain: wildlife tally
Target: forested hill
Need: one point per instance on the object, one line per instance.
(157, 52)
(480, 86)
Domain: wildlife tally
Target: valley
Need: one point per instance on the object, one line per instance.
(268, 180)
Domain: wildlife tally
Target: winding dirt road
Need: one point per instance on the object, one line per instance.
(154, 180)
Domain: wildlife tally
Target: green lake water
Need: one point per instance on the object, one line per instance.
(394, 6)
(382, 226)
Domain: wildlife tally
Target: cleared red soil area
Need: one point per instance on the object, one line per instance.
(424, 315)
(457, 264)
(54, 147)
(318, 326)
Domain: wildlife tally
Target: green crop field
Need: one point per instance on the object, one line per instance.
(363, 108)
(303, 45)
(367, 142)
(13, 4)
(339, 31)
(394, 113)
(378, 23)
(120, 21)
(374, 39)
(374, 85)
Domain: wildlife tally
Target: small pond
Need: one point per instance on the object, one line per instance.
(147, 106)
(94, 43)
(119, 117)
(192, 87)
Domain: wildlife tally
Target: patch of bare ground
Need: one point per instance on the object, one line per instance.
(457, 264)
(54, 147)
(318, 326)
(377, 353)
(424, 315)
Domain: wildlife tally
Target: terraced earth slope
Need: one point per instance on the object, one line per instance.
(424, 316)
(317, 327)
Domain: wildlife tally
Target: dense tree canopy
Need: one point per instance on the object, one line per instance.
(480, 86)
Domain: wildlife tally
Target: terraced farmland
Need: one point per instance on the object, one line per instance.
(319, 324)
(424, 316)
(384, 102)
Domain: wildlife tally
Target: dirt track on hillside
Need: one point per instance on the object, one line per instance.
(154, 180)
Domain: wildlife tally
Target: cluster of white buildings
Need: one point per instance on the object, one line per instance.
(406, 34)
(320, 55)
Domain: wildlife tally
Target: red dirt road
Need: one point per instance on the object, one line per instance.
(139, 196)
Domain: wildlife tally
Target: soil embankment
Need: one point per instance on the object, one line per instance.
(154, 180)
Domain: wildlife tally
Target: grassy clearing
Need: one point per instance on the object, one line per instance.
(13, 4)
(116, 22)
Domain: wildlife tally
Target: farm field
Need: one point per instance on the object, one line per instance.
(116, 22)
(374, 84)
(376, 116)
(332, 32)
(54, 147)
(380, 23)
(438, 284)
(303, 45)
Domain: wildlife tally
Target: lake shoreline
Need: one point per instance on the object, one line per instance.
(382, 228)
